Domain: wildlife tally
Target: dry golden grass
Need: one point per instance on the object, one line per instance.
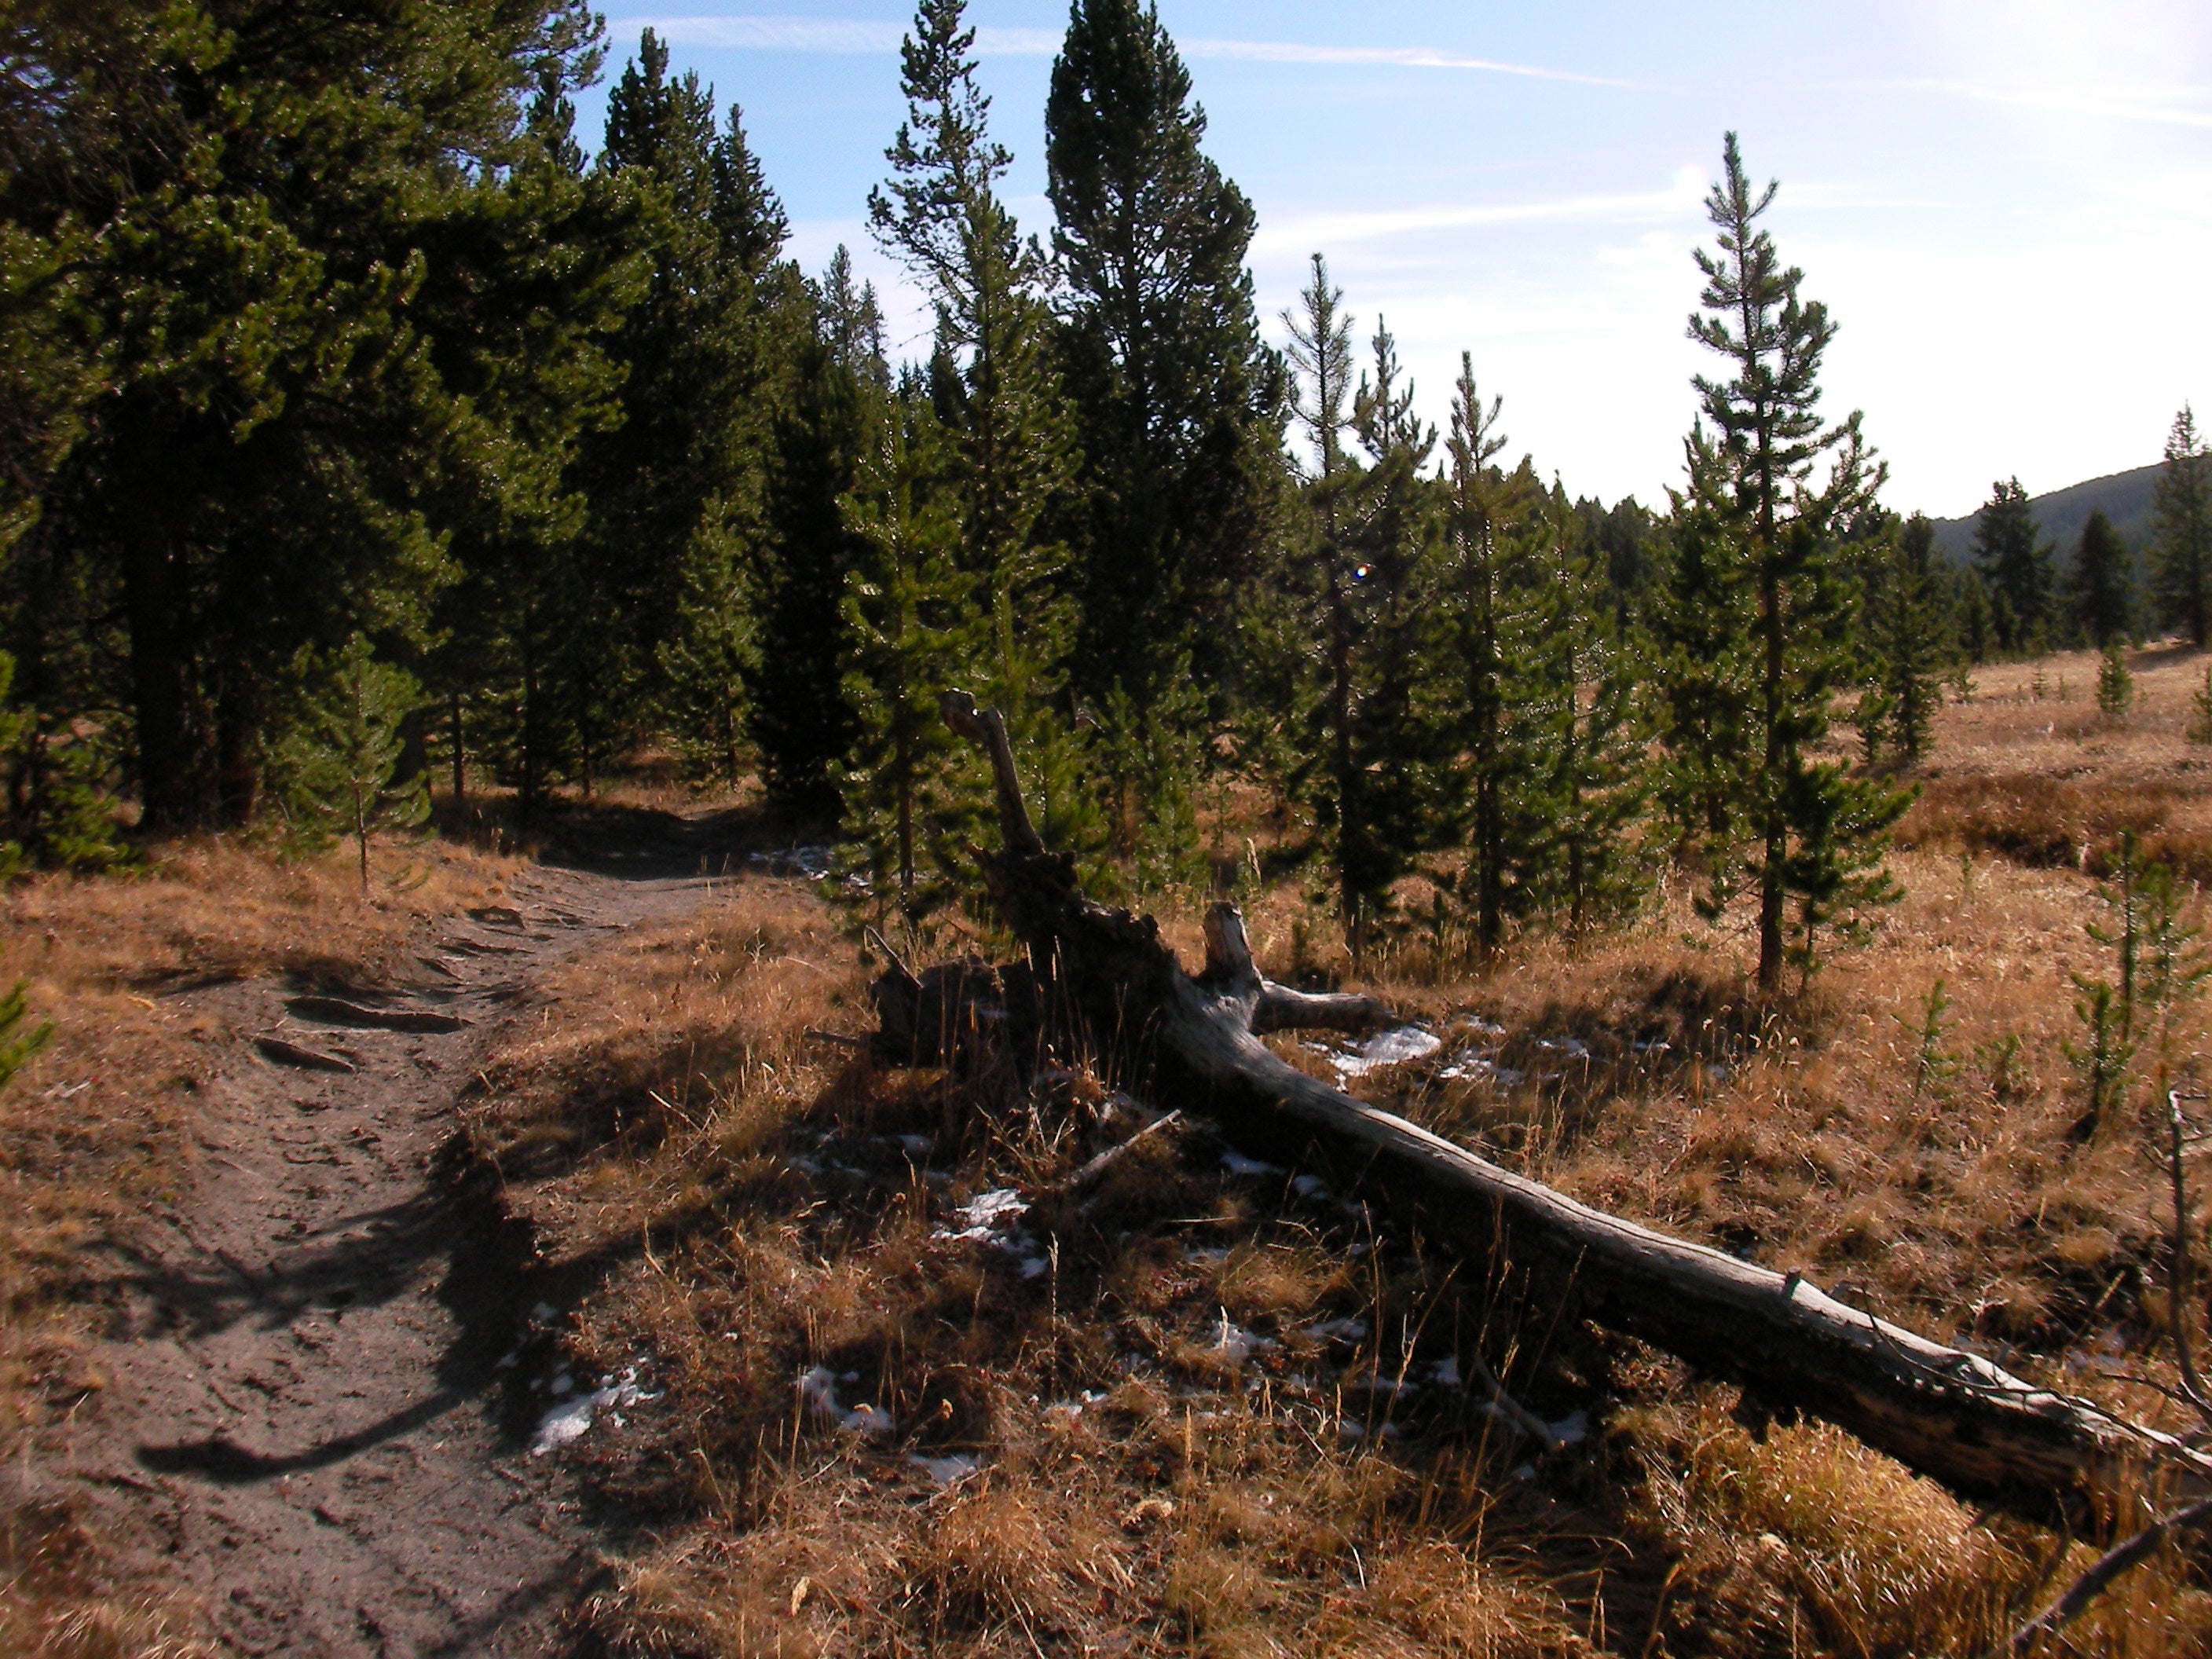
(99, 1127)
(1178, 1414)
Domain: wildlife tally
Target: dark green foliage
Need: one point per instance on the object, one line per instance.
(801, 722)
(57, 815)
(1178, 408)
(909, 630)
(2115, 687)
(283, 434)
(1372, 769)
(1810, 831)
(2181, 556)
(1933, 1065)
(997, 392)
(339, 763)
(1587, 741)
(655, 613)
(1493, 605)
(2100, 584)
(1907, 637)
(1391, 537)
(16, 1044)
(1700, 675)
(2016, 565)
(1977, 624)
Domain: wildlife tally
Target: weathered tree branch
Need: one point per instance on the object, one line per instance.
(1114, 988)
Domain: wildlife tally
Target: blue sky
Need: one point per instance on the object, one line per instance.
(2007, 208)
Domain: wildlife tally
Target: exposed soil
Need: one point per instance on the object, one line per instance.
(317, 1413)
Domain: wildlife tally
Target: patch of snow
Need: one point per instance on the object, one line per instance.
(1572, 1429)
(986, 1211)
(1236, 1344)
(1310, 1186)
(917, 1147)
(1392, 1047)
(818, 1388)
(571, 1419)
(1446, 1372)
(812, 862)
(1505, 1077)
(562, 1384)
(945, 1471)
(1033, 1266)
(1573, 1047)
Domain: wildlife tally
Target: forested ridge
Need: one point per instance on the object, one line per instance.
(356, 428)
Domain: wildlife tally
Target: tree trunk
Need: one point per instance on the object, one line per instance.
(1117, 991)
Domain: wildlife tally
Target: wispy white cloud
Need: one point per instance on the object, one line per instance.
(2164, 107)
(1289, 51)
(1329, 230)
(771, 34)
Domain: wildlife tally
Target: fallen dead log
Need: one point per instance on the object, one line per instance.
(1100, 981)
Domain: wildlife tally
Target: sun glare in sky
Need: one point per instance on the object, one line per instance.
(2007, 208)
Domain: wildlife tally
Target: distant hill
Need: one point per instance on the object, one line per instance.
(2124, 497)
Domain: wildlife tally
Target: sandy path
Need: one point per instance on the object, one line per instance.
(303, 1420)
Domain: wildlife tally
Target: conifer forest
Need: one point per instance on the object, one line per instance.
(399, 484)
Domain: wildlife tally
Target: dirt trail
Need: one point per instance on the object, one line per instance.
(304, 1422)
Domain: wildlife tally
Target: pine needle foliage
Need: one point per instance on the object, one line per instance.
(1494, 609)
(341, 761)
(910, 630)
(17, 1044)
(2181, 548)
(1809, 832)
(2116, 686)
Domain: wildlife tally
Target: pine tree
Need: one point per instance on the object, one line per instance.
(1178, 406)
(2100, 586)
(1815, 833)
(1321, 350)
(654, 614)
(342, 759)
(2181, 559)
(1491, 583)
(838, 405)
(910, 630)
(1971, 603)
(1700, 677)
(1908, 635)
(2016, 565)
(1589, 745)
(941, 214)
(1392, 533)
(294, 309)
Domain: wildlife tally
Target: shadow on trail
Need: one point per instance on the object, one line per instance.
(492, 1278)
(645, 843)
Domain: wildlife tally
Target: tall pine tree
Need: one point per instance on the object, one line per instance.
(1178, 406)
(1813, 833)
(2101, 583)
(997, 386)
(2016, 564)
(910, 629)
(2181, 554)
(1490, 591)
